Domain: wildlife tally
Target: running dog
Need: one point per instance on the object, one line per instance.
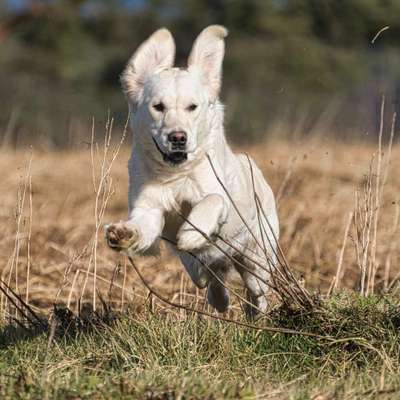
(185, 183)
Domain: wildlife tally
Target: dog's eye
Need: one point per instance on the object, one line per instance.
(159, 107)
(192, 107)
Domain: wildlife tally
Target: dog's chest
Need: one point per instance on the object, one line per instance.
(188, 191)
(184, 196)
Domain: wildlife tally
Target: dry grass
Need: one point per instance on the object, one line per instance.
(48, 205)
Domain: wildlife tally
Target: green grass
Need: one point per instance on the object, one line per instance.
(160, 356)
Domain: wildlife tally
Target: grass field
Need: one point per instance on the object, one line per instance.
(339, 209)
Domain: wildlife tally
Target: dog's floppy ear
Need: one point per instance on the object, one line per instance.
(207, 55)
(154, 55)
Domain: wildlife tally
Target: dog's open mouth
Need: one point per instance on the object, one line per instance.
(174, 158)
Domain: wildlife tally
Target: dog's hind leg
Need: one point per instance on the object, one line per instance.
(197, 272)
(217, 293)
(218, 296)
(255, 279)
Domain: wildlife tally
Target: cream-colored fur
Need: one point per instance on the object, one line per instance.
(163, 99)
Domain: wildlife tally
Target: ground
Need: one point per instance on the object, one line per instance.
(52, 247)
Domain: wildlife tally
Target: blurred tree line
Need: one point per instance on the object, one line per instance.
(294, 64)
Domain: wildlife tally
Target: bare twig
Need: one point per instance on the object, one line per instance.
(377, 204)
(385, 28)
(339, 272)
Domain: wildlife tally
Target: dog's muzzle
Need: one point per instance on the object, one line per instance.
(177, 145)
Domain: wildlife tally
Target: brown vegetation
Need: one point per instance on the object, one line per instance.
(49, 224)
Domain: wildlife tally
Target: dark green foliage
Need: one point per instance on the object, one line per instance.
(286, 60)
(159, 355)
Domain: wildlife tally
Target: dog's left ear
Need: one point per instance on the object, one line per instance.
(207, 55)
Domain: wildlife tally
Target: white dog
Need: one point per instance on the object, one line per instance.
(185, 183)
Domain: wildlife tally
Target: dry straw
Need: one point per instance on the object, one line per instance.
(362, 226)
(368, 204)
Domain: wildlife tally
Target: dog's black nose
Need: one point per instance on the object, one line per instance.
(178, 139)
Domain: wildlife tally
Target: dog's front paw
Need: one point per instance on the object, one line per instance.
(121, 237)
(191, 240)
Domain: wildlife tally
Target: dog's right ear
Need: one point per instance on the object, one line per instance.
(154, 55)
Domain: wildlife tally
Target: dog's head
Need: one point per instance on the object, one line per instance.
(173, 108)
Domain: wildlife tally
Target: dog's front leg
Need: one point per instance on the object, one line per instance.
(205, 219)
(138, 234)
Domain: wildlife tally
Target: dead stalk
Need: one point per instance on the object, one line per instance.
(339, 272)
(13, 262)
(373, 263)
(103, 190)
(391, 249)
(367, 215)
(363, 215)
(28, 264)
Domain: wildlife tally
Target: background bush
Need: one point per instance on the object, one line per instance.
(299, 63)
